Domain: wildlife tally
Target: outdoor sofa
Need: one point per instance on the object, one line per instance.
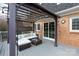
(24, 40)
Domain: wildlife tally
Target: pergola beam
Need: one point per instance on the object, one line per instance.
(38, 8)
(24, 21)
(26, 8)
(32, 11)
(31, 18)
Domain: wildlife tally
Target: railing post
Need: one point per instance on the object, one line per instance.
(0, 36)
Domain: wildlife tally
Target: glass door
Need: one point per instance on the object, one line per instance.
(45, 29)
(49, 30)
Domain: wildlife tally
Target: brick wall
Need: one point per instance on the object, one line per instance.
(64, 35)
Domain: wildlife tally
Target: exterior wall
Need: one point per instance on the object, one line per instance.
(24, 26)
(41, 22)
(64, 34)
(41, 31)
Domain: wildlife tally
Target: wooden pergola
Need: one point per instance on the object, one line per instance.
(26, 12)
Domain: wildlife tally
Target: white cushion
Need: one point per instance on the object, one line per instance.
(23, 41)
(27, 36)
(34, 34)
(30, 37)
(22, 36)
(19, 37)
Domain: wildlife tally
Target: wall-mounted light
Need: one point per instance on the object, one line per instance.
(62, 21)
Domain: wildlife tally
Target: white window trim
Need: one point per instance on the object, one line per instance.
(70, 22)
(37, 27)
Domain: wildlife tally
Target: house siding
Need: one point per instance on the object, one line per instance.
(41, 31)
(64, 34)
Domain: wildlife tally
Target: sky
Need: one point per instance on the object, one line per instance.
(2, 15)
(1, 6)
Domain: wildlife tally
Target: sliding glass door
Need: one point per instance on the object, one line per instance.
(45, 29)
(49, 30)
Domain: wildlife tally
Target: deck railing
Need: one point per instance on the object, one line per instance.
(3, 40)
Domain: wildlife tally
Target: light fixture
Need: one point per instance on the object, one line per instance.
(62, 21)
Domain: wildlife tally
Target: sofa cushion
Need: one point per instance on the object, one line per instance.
(34, 34)
(27, 35)
(23, 41)
(30, 35)
(19, 36)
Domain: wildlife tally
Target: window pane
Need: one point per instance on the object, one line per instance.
(46, 29)
(51, 29)
(38, 26)
(34, 26)
(75, 24)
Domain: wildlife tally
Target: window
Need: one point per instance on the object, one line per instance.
(37, 27)
(74, 24)
(46, 29)
(34, 27)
